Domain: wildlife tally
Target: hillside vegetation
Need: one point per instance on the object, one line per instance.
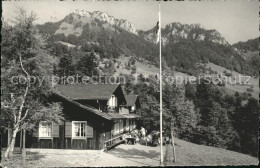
(251, 45)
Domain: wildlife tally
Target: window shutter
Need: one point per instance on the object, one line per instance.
(55, 130)
(89, 131)
(36, 132)
(68, 129)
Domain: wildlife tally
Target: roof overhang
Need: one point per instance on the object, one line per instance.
(78, 99)
(131, 116)
(115, 116)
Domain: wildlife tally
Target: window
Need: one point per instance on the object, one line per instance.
(133, 108)
(112, 101)
(79, 129)
(45, 129)
(115, 101)
(116, 128)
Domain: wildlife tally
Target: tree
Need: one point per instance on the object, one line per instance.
(128, 85)
(133, 70)
(87, 64)
(190, 91)
(150, 103)
(249, 131)
(24, 103)
(184, 114)
(66, 67)
(72, 38)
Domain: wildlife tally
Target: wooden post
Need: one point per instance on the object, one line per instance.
(21, 139)
(161, 107)
(173, 146)
(23, 150)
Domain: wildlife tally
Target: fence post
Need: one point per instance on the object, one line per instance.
(21, 139)
(23, 150)
(173, 146)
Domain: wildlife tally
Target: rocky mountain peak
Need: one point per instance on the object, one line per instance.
(81, 12)
(176, 31)
(104, 17)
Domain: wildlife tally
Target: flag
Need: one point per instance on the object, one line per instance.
(158, 28)
(157, 32)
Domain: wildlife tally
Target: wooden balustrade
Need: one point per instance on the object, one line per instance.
(113, 141)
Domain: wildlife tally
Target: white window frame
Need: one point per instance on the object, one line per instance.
(48, 134)
(84, 130)
(112, 102)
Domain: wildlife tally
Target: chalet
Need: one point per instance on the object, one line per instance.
(93, 116)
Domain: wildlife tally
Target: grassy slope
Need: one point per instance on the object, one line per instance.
(141, 68)
(238, 88)
(190, 154)
(249, 54)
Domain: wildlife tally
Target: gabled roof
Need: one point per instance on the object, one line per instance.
(71, 93)
(130, 100)
(85, 107)
(108, 116)
(87, 91)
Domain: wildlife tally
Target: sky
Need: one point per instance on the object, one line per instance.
(236, 20)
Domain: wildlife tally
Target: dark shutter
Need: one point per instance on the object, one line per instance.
(89, 131)
(68, 129)
(55, 130)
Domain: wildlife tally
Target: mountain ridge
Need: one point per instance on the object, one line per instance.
(183, 44)
(174, 28)
(175, 31)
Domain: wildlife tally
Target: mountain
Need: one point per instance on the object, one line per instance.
(183, 44)
(175, 32)
(75, 21)
(107, 35)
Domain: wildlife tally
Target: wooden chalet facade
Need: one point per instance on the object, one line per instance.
(94, 113)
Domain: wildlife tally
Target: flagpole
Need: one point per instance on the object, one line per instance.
(160, 40)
